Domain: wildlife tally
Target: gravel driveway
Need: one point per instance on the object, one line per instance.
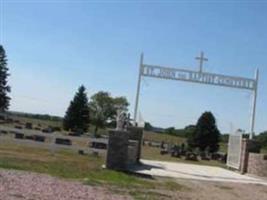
(18, 185)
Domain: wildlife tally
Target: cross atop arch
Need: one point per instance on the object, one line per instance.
(201, 59)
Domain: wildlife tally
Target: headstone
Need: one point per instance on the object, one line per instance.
(18, 127)
(80, 152)
(63, 141)
(204, 156)
(175, 151)
(191, 156)
(19, 135)
(95, 153)
(3, 132)
(39, 138)
(28, 125)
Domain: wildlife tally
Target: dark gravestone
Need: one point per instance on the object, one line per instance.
(47, 130)
(99, 145)
(28, 125)
(29, 137)
(215, 156)
(95, 153)
(183, 150)
(176, 151)
(19, 135)
(39, 138)
(204, 156)
(9, 120)
(75, 134)
(81, 152)
(56, 128)
(3, 132)
(218, 156)
(164, 151)
(191, 156)
(63, 141)
(18, 127)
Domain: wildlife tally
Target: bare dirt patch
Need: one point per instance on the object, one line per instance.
(220, 191)
(16, 185)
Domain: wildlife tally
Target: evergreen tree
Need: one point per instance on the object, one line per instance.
(77, 114)
(206, 135)
(4, 87)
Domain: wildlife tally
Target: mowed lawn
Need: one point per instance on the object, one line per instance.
(85, 168)
(43, 123)
(159, 137)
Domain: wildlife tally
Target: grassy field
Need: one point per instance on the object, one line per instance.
(87, 169)
(35, 122)
(148, 135)
(159, 137)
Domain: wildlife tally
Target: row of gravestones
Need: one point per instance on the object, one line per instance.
(39, 138)
(188, 154)
(44, 130)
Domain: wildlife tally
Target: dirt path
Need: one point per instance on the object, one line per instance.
(21, 185)
(16, 185)
(204, 190)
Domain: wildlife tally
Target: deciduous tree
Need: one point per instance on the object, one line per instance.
(103, 108)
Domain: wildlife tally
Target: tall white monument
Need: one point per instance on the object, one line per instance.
(200, 77)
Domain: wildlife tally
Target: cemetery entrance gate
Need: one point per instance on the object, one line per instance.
(200, 77)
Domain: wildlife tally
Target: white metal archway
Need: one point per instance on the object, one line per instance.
(200, 77)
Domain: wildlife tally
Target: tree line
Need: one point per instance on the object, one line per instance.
(35, 116)
(100, 110)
